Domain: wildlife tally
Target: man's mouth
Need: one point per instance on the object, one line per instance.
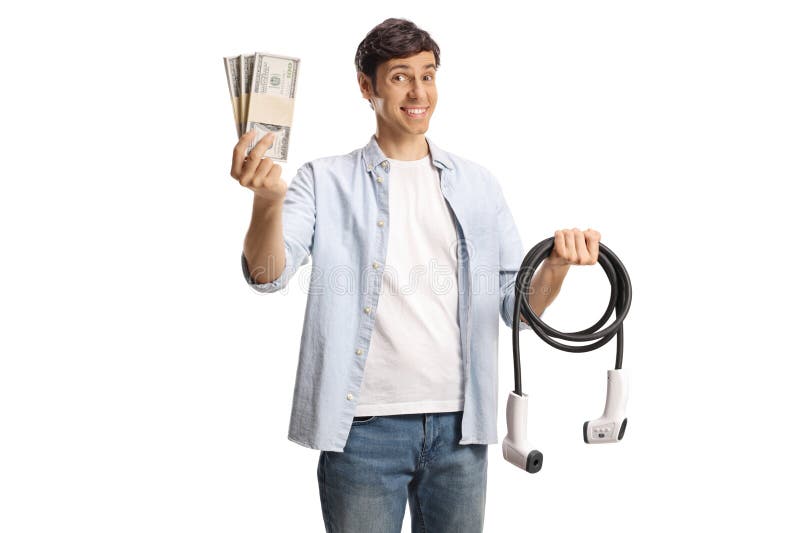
(415, 111)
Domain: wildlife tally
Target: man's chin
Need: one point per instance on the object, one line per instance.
(419, 129)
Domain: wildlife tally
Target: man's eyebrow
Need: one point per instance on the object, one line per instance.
(404, 65)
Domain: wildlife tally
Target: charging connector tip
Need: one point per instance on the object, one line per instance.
(534, 462)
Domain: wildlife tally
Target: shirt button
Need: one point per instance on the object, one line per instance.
(380, 222)
(367, 309)
(379, 179)
(349, 396)
(369, 168)
(375, 265)
(359, 351)
(385, 164)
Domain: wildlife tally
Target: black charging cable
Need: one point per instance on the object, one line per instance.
(620, 302)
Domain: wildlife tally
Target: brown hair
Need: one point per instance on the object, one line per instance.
(392, 38)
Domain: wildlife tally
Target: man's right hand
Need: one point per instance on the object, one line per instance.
(262, 176)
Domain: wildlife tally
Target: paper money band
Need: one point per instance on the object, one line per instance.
(271, 109)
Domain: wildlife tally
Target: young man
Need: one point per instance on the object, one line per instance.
(396, 386)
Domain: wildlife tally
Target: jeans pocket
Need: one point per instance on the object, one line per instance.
(363, 420)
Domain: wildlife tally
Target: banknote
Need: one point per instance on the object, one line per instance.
(270, 103)
(246, 66)
(233, 71)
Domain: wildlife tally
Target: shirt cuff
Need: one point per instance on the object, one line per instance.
(274, 285)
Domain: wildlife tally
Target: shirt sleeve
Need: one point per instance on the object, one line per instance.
(299, 218)
(511, 256)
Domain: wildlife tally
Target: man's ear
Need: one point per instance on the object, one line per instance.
(365, 85)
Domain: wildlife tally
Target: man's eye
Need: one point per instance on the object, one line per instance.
(429, 77)
(399, 76)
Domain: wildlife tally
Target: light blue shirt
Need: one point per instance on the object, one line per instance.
(336, 211)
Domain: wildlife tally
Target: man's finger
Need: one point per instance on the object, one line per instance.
(260, 175)
(581, 247)
(274, 173)
(559, 245)
(254, 157)
(593, 240)
(572, 253)
(238, 154)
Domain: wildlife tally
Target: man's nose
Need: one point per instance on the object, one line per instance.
(416, 89)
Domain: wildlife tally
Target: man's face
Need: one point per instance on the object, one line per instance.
(405, 93)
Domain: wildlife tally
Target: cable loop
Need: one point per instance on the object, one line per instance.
(619, 302)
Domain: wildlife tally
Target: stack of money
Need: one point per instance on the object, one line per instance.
(262, 90)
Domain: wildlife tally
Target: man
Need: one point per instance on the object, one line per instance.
(396, 388)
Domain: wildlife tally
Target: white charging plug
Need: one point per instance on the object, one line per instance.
(611, 426)
(516, 448)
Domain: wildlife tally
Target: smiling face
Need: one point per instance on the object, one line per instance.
(404, 95)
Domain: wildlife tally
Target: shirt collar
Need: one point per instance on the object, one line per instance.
(374, 156)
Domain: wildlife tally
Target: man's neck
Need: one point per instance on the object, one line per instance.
(403, 147)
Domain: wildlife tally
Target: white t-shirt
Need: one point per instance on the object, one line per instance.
(414, 359)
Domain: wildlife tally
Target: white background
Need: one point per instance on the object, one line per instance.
(145, 387)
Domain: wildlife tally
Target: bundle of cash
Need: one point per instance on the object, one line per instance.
(262, 90)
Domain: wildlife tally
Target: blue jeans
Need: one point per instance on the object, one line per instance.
(390, 460)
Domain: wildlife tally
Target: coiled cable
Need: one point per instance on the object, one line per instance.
(619, 302)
